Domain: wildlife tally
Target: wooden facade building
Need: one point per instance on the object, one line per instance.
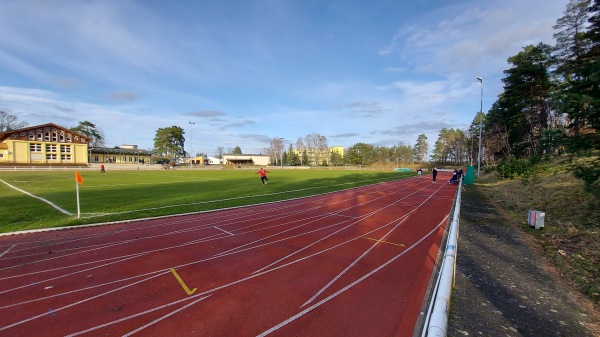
(46, 144)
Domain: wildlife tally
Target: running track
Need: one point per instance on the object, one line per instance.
(350, 263)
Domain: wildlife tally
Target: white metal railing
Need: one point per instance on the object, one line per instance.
(436, 320)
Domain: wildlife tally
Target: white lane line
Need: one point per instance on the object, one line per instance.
(188, 264)
(219, 287)
(159, 249)
(104, 245)
(80, 302)
(6, 251)
(364, 217)
(241, 248)
(29, 263)
(163, 317)
(351, 265)
(316, 218)
(39, 198)
(138, 276)
(339, 292)
(70, 274)
(234, 198)
(204, 212)
(79, 250)
(308, 246)
(222, 230)
(137, 315)
(80, 289)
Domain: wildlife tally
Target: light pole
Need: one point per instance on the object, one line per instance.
(471, 148)
(480, 79)
(281, 151)
(191, 138)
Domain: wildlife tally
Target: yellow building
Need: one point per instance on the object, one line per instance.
(45, 144)
(318, 157)
(339, 149)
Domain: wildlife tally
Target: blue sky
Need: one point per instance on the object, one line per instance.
(380, 72)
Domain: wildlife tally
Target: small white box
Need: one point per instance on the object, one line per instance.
(536, 219)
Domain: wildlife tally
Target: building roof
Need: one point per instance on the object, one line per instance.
(120, 150)
(23, 133)
(243, 156)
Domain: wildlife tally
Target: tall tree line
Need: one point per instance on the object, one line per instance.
(550, 103)
(551, 99)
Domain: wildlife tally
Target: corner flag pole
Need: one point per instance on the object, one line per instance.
(78, 181)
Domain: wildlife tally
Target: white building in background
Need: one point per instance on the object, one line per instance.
(246, 159)
(213, 161)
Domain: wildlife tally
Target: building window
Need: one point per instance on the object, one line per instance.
(50, 147)
(65, 157)
(65, 149)
(35, 147)
(50, 156)
(95, 159)
(39, 136)
(47, 136)
(54, 136)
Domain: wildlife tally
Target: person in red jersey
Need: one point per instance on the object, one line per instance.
(263, 175)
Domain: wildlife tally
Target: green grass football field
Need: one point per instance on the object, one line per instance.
(33, 200)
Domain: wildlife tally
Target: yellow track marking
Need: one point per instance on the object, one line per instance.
(389, 243)
(187, 290)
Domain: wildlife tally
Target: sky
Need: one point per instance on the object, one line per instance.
(244, 72)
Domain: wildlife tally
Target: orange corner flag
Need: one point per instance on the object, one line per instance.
(78, 178)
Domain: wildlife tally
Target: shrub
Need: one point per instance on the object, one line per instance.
(512, 167)
(589, 172)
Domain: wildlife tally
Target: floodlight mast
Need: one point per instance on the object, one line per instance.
(192, 155)
(480, 79)
(281, 151)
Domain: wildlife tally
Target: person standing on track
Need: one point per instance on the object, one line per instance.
(263, 175)
(434, 174)
(419, 172)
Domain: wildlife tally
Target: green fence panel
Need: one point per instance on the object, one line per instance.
(469, 177)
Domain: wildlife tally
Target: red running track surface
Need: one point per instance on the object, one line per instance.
(350, 263)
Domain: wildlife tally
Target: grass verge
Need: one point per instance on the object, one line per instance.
(571, 236)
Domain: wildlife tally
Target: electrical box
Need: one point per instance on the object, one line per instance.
(536, 219)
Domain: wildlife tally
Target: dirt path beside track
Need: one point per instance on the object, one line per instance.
(504, 287)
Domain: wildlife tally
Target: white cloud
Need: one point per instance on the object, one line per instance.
(266, 68)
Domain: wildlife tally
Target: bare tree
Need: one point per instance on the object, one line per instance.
(219, 152)
(322, 153)
(10, 122)
(317, 146)
(300, 148)
(276, 149)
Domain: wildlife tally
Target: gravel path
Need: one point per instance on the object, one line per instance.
(503, 287)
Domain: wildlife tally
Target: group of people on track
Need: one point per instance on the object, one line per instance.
(456, 175)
